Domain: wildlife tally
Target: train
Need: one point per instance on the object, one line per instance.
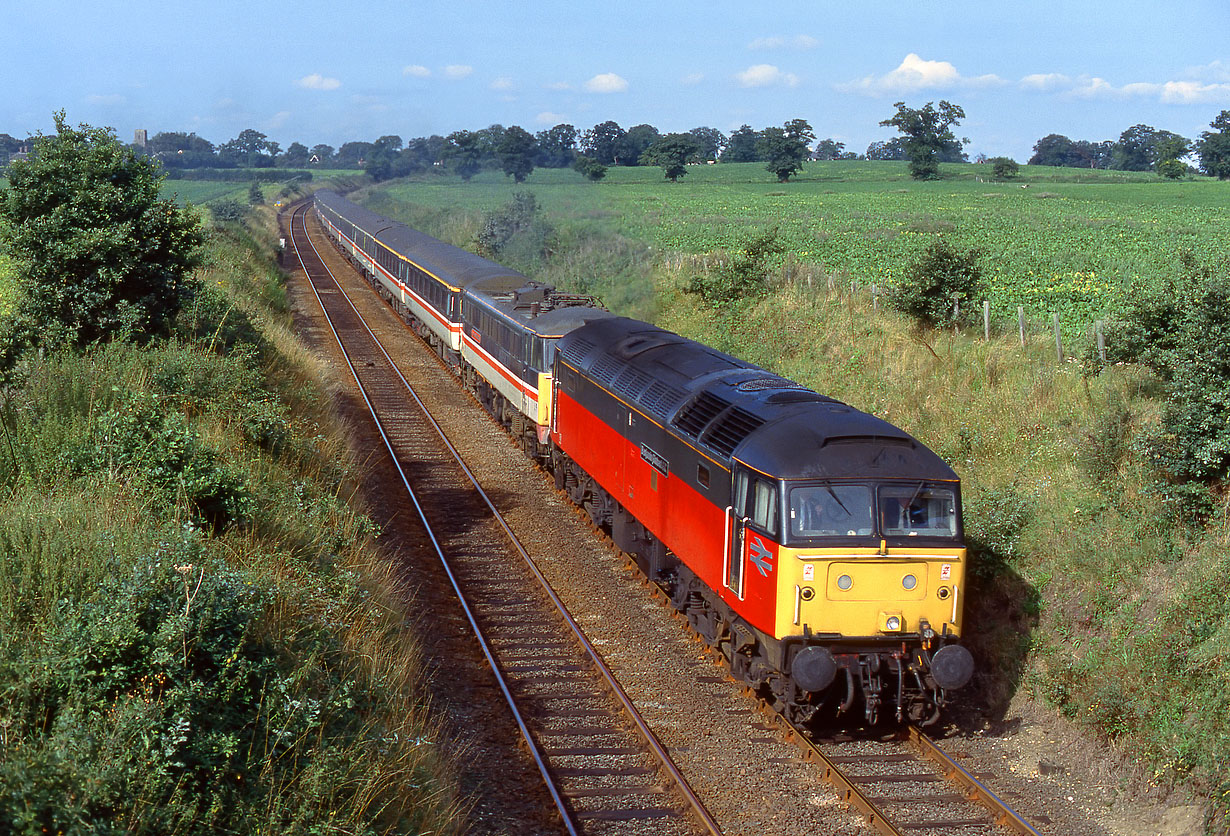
(819, 548)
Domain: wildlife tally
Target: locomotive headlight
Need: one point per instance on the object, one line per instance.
(845, 582)
(909, 582)
(891, 622)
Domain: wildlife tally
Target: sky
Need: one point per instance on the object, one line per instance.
(331, 72)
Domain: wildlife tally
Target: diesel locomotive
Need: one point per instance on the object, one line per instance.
(818, 547)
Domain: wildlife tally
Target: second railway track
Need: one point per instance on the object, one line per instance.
(607, 780)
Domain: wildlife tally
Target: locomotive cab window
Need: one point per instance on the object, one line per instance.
(756, 500)
(921, 510)
(831, 511)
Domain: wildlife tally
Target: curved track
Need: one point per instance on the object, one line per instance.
(602, 765)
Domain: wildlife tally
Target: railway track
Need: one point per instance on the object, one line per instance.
(603, 767)
(588, 758)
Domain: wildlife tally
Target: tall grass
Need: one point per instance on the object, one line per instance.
(174, 663)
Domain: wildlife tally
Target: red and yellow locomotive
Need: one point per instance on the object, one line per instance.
(818, 546)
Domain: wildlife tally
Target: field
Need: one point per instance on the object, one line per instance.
(1061, 241)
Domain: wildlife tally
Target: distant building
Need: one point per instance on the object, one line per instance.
(140, 137)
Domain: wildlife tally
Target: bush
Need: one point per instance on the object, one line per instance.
(1004, 168)
(590, 168)
(517, 231)
(931, 285)
(1182, 332)
(741, 275)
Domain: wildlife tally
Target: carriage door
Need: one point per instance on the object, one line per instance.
(736, 526)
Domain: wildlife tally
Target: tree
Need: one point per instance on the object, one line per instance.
(799, 129)
(828, 149)
(181, 150)
(630, 147)
(352, 154)
(741, 147)
(927, 132)
(100, 254)
(1214, 148)
(321, 155)
(893, 149)
(783, 153)
(463, 154)
(516, 153)
(1171, 169)
(1135, 150)
(488, 140)
(1170, 147)
(710, 141)
(296, 155)
(672, 152)
(591, 168)
(600, 141)
(246, 149)
(557, 147)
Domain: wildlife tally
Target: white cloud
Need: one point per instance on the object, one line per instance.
(1214, 71)
(502, 83)
(106, 99)
(916, 73)
(782, 42)
(1045, 82)
(549, 118)
(560, 85)
(316, 81)
(764, 75)
(607, 83)
(692, 79)
(417, 70)
(278, 119)
(457, 71)
(1192, 92)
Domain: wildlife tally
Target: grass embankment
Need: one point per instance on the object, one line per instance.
(1087, 593)
(196, 634)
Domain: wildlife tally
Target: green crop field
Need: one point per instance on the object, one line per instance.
(1064, 241)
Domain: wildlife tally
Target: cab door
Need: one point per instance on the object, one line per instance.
(736, 530)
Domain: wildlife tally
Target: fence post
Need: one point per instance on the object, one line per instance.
(875, 298)
(830, 282)
(1097, 327)
(986, 319)
(1020, 321)
(1058, 339)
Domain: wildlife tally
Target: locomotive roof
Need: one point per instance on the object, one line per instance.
(536, 306)
(735, 409)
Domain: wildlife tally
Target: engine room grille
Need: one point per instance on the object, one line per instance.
(694, 417)
(605, 370)
(661, 398)
(733, 427)
(631, 382)
(576, 351)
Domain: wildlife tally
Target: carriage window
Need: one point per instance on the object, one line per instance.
(702, 475)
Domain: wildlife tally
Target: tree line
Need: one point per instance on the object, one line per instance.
(925, 139)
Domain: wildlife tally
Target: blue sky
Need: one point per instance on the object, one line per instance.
(330, 72)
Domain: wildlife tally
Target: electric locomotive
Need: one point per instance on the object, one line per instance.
(818, 546)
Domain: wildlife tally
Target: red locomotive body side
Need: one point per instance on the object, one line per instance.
(690, 524)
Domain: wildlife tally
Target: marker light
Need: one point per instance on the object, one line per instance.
(893, 622)
(909, 582)
(845, 582)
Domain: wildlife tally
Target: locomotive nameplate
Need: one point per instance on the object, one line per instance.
(655, 460)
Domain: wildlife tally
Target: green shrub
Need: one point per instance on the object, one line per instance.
(1004, 168)
(517, 232)
(739, 275)
(941, 277)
